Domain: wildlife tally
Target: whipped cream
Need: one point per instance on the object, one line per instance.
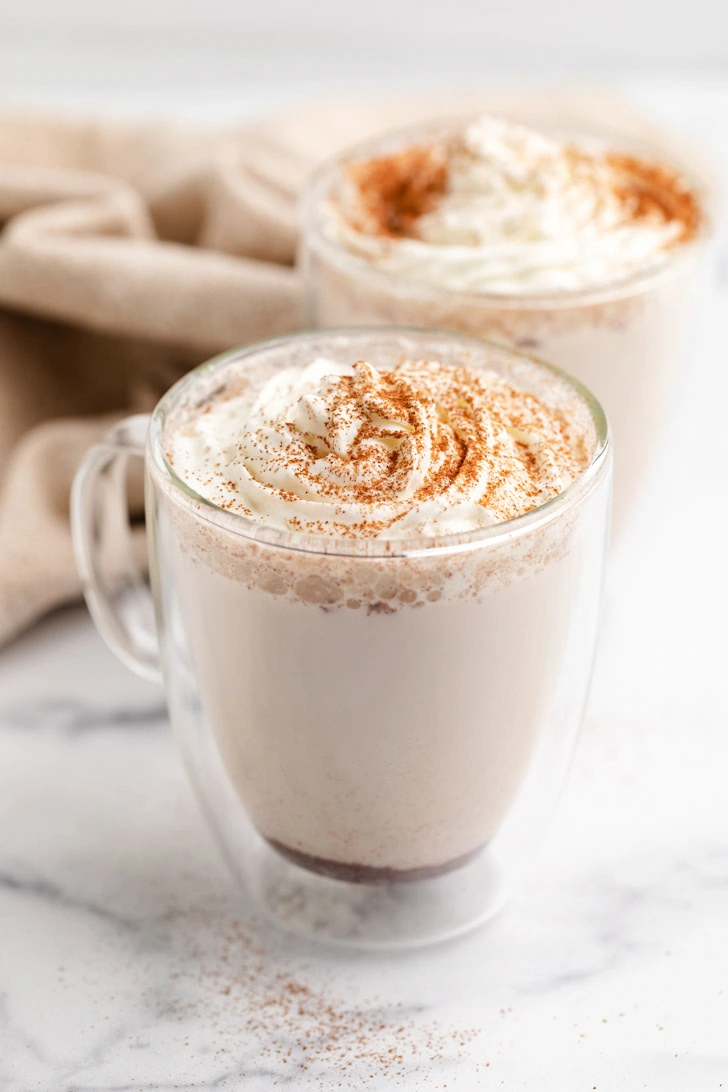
(339, 449)
(517, 212)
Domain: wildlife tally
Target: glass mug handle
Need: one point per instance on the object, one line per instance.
(117, 595)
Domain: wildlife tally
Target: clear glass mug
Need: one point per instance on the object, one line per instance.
(376, 730)
(627, 342)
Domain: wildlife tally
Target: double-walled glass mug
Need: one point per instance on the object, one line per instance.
(626, 341)
(376, 730)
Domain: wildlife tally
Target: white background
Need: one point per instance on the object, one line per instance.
(192, 50)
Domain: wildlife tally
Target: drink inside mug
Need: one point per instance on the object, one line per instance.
(376, 558)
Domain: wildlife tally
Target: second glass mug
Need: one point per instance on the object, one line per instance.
(376, 730)
(627, 342)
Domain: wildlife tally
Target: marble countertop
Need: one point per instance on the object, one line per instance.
(128, 959)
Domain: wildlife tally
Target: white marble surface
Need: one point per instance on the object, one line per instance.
(128, 959)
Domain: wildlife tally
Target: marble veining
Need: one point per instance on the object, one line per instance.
(129, 960)
(74, 717)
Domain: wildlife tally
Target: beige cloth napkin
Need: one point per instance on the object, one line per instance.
(130, 253)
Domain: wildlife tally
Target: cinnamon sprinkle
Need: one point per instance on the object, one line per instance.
(648, 189)
(468, 412)
(395, 190)
(299, 1021)
(423, 437)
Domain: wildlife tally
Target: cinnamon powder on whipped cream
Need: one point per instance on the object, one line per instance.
(395, 190)
(354, 451)
(498, 207)
(648, 189)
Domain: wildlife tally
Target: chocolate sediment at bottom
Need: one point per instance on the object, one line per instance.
(373, 874)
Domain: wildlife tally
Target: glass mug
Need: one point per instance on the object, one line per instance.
(627, 342)
(376, 730)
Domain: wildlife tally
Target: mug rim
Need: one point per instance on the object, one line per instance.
(337, 545)
(315, 236)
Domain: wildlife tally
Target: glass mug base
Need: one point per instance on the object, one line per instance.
(410, 910)
(350, 906)
(406, 700)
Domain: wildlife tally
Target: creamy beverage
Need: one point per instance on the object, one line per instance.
(385, 562)
(573, 248)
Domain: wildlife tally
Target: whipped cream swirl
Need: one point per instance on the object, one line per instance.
(518, 212)
(340, 449)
